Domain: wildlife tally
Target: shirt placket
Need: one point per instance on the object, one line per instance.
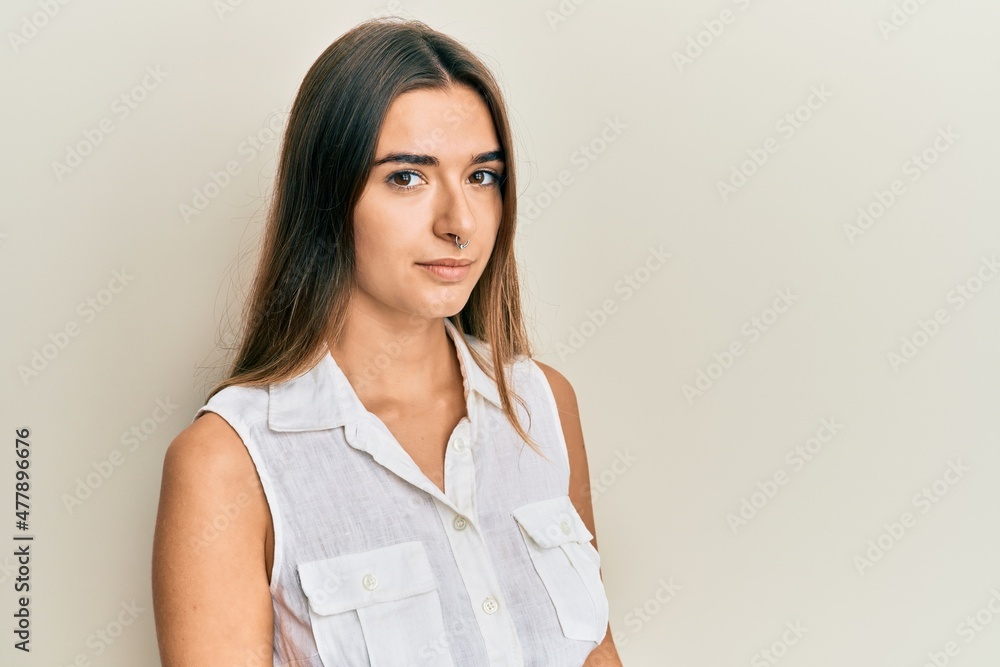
(464, 531)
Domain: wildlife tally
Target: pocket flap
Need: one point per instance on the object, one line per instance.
(552, 522)
(338, 584)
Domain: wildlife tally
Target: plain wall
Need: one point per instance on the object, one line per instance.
(764, 405)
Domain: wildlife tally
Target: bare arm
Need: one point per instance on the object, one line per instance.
(606, 654)
(211, 597)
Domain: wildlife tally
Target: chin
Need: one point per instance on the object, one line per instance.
(452, 304)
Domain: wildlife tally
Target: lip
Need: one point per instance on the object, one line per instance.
(449, 270)
(447, 261)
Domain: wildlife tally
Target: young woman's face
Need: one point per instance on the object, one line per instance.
(436, 175)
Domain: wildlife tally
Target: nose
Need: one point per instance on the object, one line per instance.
(455, 215)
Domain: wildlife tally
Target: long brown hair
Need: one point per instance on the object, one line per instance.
(305, 274)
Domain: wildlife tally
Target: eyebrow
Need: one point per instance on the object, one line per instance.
(415, 158)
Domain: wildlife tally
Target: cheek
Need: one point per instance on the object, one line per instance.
(369, 242)
(372, 227)
(374, 254)
(384, 250)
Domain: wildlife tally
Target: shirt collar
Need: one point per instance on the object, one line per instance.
(322, 398)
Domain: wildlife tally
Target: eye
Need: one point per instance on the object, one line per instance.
(403, 180)
(407, 179)
(486, 178)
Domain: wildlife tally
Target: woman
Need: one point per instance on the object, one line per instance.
(358, 492)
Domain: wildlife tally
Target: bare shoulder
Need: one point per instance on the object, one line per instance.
(579, 481)
(579, 471)
(211, 596)
(561, 389)
(208, 472)
(208, 463)
(208, 448)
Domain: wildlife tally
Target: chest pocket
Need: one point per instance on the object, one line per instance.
(568, 564)
(378, 608)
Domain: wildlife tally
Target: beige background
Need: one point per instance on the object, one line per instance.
(668, 468)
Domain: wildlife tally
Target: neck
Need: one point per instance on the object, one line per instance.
(396, 360)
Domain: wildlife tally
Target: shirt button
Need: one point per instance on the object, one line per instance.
(369, 582)
(460, 523)
(460, 445)
(565, 527)
(490, 605)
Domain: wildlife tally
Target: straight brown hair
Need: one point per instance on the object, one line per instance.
(305, 275)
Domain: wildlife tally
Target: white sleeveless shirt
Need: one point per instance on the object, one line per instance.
(374, 565)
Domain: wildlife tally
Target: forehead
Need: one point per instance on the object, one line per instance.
(438, 121)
